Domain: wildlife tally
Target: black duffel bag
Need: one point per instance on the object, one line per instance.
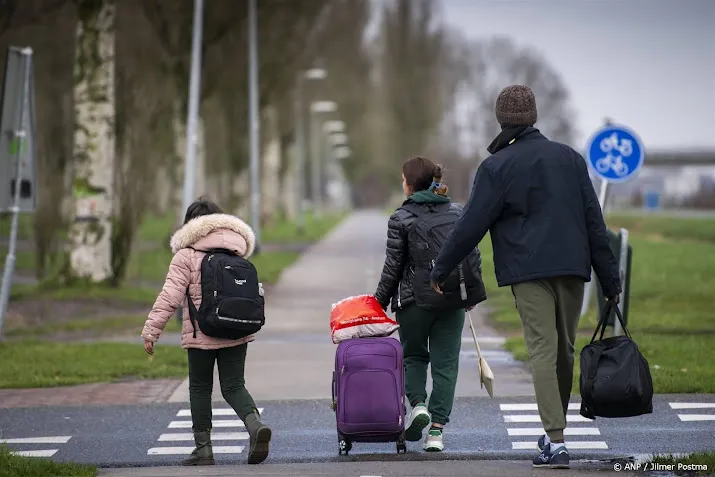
(615, 377)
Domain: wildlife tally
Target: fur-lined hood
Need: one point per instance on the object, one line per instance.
(215, 231)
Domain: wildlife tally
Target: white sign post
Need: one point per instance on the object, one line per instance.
(17, 153)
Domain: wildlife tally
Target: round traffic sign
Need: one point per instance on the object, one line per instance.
(615, 153)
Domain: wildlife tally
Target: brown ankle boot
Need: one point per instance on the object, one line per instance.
(260, 437)
(203, 454)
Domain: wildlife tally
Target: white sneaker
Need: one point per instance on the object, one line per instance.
(433, 441)
(419, 419)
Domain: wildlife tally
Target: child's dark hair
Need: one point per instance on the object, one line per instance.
(422, 174)
(202, 206)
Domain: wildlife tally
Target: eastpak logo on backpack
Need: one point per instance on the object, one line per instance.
(231, 304)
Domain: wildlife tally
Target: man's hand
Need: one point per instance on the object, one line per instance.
(613, 299)
(149, 347)
(436, 286)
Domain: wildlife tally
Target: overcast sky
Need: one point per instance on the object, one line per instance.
(648, 64)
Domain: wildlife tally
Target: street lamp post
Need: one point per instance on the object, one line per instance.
(253, 120)
(313, 73)
(315, 108)
(193, 109)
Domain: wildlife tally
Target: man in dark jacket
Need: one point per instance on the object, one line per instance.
(536, 198)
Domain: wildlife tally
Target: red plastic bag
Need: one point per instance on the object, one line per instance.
(359, 317)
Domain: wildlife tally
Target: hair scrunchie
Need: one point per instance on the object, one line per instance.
(435, 185)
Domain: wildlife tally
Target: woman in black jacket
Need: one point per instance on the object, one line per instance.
(427, 337)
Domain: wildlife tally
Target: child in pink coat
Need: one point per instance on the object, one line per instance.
(207, 227)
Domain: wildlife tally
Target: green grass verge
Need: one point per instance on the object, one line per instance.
(688, 228)
(315, 228)
(698, 463)
(29, 364)
(112, 324)
(13, 465)
(670, 313)
(131, 295)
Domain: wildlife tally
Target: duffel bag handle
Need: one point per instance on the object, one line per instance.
(607, 312)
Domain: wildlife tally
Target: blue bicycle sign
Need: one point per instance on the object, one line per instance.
(615, 153)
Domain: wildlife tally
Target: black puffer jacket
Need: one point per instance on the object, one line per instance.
(397, 273)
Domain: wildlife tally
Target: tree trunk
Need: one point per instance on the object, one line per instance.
(90, 234)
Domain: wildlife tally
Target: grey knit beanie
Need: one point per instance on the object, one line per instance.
(516, 106)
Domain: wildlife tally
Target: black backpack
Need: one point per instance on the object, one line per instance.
(463, 287)
(615, 377)
(231, 305)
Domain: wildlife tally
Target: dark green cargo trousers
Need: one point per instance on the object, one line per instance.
(431, 338)
(550, 311)
(231, 364)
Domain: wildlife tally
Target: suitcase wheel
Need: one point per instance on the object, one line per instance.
(344, 446)
(402, 444)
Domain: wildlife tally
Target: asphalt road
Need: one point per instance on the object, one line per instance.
(304, 432)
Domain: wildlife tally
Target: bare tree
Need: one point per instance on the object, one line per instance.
(499, 62)
(413, 66)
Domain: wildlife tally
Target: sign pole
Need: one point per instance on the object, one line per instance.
(622, 272)
(19, 135)
(602, 198)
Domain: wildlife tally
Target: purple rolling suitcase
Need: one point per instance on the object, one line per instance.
(369, 392)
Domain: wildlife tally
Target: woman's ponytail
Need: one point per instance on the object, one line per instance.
(437, 186)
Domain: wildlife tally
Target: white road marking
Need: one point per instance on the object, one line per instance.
(692, 405)
(188, 450)
(569, 445)
(216, 436)
(574, 406)
(569, 431)
(36, 453)
(536, 418)
(215, 412)
(37, 440)
(697, 417)
(214, 423)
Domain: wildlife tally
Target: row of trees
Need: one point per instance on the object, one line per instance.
(111, 92)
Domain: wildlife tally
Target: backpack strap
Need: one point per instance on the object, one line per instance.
(192, 310)
(415, 209)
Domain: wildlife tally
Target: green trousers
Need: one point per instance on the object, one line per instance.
(231, 364)
(431, 338)
(550, 311)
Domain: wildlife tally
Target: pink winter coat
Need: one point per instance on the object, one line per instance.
(202, 233)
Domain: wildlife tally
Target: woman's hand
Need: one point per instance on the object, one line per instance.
(149, 347)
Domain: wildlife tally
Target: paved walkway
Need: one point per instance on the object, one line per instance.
(293, 356)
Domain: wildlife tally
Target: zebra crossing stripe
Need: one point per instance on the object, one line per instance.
(214, 423)
(36, 453)
(216, 436)
(216, 412)
(37, 440)
(570, 445)
(692, 405)
(574, 406)
(536, 418)
(697, 417)
(188, 450)
(569, 431)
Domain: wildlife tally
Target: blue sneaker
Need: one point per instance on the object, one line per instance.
(541, 443)
(558, 459)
